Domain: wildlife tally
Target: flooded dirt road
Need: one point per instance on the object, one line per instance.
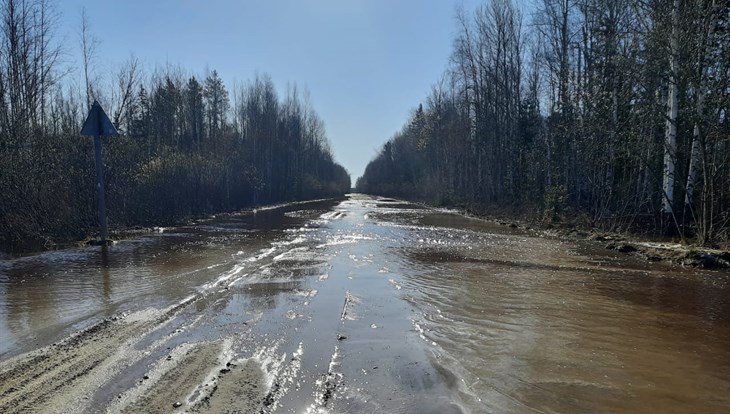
(359, 306)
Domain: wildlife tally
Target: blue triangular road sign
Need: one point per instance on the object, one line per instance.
(98, 124)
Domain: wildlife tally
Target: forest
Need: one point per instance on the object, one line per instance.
(610, 112)
(187, 147)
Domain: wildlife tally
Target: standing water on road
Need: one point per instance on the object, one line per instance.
(366, 305)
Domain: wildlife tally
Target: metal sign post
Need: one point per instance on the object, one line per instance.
(100, 187)
(99, 125)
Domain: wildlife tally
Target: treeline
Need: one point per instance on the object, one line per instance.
(614, 110)
(188, 146)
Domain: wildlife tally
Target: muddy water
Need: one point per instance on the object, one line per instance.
(364, 305)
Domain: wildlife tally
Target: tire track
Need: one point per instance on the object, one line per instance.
(59, 377)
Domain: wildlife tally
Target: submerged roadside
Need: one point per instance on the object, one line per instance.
(650, 248)
(54, 242)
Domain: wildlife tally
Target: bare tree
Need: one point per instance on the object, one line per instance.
(28, 60)
(127, 80)
(89, 46)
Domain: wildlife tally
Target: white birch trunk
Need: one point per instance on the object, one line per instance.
(693, 168)
(696, 143)
(670, 144)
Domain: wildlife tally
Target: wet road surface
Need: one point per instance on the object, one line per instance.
(359, 306)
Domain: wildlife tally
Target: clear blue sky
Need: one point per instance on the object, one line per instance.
(366, 63)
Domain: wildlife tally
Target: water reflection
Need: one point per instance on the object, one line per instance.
(45, 297)
(530, 327)
(106, 282)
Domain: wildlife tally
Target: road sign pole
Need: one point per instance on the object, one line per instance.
(100, 188)
(99, 125)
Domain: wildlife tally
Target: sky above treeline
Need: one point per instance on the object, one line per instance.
(366, 63)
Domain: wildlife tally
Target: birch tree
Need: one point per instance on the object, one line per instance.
(670, 140)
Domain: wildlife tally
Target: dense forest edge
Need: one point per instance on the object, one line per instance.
(610, 115)
(187, 146)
